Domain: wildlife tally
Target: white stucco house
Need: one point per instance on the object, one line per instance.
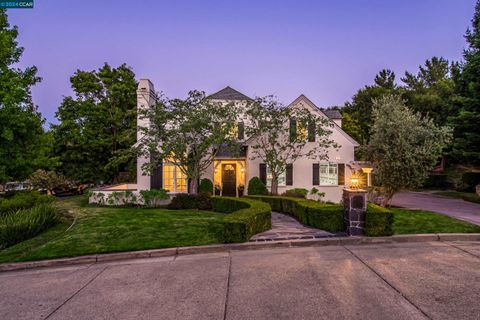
(228, 172)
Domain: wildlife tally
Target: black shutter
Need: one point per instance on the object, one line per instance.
(241, 131)
(311, 131)
(316, 174)
(341, 174)
(263, 173)
(289, 175)
(293, 129)
(157, 177)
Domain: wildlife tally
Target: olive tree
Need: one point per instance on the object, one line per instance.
(404, 146)
(279, 135)
(189, 133)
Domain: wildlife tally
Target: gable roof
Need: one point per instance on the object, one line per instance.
(333, 114)
(228, 93)
(303, 98)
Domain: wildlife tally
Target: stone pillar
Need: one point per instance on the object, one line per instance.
(355, 207)
(146, 98)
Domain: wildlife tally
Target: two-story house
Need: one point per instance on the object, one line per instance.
(229, 172)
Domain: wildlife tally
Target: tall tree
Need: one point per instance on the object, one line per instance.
(187, 133)
(280, 135)
(361, 106)
(404, 145)
(21, 132)
(466, 146)
(98, 125)
(431, 90)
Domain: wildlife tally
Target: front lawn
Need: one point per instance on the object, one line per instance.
(467, 196)
(418, 221)
(100, 230)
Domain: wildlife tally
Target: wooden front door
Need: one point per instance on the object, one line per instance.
(229, 180)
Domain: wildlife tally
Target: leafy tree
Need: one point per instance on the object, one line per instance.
(404, 145)
(22, 141)
(277, 143)
(466, 146)
(188, 133)
(48, 180)
(361, 106)
(430, 90)
(98, 125)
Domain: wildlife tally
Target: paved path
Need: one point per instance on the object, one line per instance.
(436, 280)
(456, 208)
(287, 228)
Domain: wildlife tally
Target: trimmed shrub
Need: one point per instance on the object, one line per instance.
(297, 193)
(245, 217)
(25, 224)
(23, 200)
(206, 186)
(327, 217)
(470, 181)
(378, 221)
(256, 187)
(183, 201)
(204, 201)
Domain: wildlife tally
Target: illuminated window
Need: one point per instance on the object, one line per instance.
(281, 178)
(328, 174)
(174, 180)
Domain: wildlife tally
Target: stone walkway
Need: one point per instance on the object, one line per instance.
(287, 228)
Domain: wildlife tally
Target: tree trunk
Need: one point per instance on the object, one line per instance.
(274, 185)
(193, 186)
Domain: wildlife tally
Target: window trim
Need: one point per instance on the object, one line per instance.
(320, 174)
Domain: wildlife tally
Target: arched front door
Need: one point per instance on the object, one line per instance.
(229, 180)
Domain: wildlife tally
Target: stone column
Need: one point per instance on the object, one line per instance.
(355, 207)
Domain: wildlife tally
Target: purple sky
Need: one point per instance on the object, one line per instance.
(325, 49)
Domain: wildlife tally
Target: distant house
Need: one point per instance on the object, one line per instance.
(230, 172)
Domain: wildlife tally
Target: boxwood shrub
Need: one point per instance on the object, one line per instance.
(327, 217)
(245, 217)
(200, 201)
(378, 221)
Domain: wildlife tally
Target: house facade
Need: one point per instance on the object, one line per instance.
(229, 174)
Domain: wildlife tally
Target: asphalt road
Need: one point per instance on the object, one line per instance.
(437, 280)
(456, 208)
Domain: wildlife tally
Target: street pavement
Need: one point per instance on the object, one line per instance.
(456, 208)
(426, 280)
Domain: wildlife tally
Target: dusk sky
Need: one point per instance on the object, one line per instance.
(325, 49)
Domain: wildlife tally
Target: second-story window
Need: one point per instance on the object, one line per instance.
(241, 131)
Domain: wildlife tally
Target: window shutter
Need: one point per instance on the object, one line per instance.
(156, 178)
(263, 173)
(311, 131)
(289, 175)
(316, 174)
(293, 129)
(241, 131)
(341, 174)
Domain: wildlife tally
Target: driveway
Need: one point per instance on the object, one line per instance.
(456, 208)
(437, 280)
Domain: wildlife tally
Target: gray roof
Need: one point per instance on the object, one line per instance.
(228, 93)
(333, 114)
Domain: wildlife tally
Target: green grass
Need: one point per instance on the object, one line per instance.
(467, 196)
(101, 230)
(418, 221)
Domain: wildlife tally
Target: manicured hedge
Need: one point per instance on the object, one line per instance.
(378, 221)
(245, 217)
(327, 217)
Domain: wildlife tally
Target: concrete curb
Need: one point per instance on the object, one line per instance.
(170, 252)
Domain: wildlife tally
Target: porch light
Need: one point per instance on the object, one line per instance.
(368, 171)
(354, 181)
